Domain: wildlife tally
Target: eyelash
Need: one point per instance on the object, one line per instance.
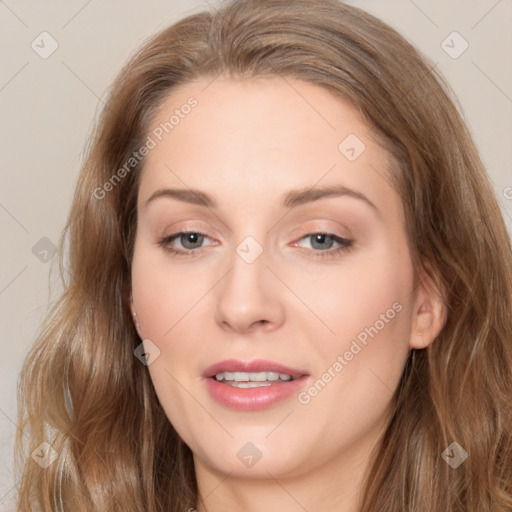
(345, 244)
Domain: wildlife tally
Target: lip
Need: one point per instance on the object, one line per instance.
(252, 399)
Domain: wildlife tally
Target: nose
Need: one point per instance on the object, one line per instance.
(250, 297)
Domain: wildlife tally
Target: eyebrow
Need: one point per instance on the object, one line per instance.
(291, 199)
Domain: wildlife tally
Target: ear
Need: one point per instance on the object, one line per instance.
(134, 315)
(429, 309)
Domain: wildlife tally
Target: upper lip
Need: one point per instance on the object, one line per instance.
(255, 365)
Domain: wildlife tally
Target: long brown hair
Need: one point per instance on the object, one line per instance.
(83, 391)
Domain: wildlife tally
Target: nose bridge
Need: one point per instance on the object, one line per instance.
(248, 293)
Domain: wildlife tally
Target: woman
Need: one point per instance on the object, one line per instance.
(208, 352)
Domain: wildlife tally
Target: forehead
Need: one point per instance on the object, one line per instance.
(256, 138)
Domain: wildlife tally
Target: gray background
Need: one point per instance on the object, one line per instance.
(48, 106)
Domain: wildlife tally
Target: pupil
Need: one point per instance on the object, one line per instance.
(192, 238)
(321, 238)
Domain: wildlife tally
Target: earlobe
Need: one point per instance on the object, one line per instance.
(430, 314)
(134, 315)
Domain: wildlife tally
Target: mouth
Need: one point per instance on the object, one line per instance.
(252, 385)
(256, 370)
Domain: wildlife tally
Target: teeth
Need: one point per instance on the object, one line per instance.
(248, 384)
(249, 377)
(257, 377)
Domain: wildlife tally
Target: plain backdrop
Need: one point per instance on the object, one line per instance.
(48, 106)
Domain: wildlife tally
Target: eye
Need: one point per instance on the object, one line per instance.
(190, 241)
(322, 244)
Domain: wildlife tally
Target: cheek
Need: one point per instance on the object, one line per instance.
(368, 298)
(166, 300)
(162, 293)
(369, 312)
(358, 369)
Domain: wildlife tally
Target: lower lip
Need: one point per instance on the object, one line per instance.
(253, 399)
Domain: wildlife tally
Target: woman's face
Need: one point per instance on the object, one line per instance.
(275, 276)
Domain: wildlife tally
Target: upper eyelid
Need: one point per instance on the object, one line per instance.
(308, 231)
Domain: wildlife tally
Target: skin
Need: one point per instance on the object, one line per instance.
(247, 143)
